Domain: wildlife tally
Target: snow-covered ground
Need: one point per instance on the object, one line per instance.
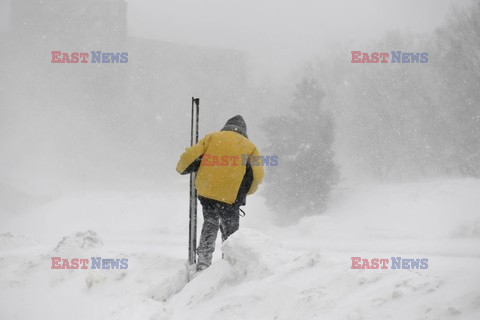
(268, 272)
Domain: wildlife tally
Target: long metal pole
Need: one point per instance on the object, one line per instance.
(192, 242)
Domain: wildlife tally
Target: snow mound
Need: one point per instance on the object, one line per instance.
(250, 257)
(75, 244)
(253, 254)
(169, 287)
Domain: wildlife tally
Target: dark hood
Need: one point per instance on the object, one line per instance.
(236, 124)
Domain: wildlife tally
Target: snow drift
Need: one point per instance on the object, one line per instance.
(268, 272)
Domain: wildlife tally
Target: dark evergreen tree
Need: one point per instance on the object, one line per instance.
(458, 74)
(306, 171)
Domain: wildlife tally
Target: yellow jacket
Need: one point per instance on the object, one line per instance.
(221, 171)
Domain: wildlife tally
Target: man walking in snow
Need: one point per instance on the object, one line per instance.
(226, 174)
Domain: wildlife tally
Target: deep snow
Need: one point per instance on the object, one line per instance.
(268, 272)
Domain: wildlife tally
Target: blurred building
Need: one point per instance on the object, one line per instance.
(70, 22)
(98, 122)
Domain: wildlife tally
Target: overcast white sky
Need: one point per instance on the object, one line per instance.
(289, 28)
(278, 31)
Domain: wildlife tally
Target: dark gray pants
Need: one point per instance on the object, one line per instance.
(216, 215)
